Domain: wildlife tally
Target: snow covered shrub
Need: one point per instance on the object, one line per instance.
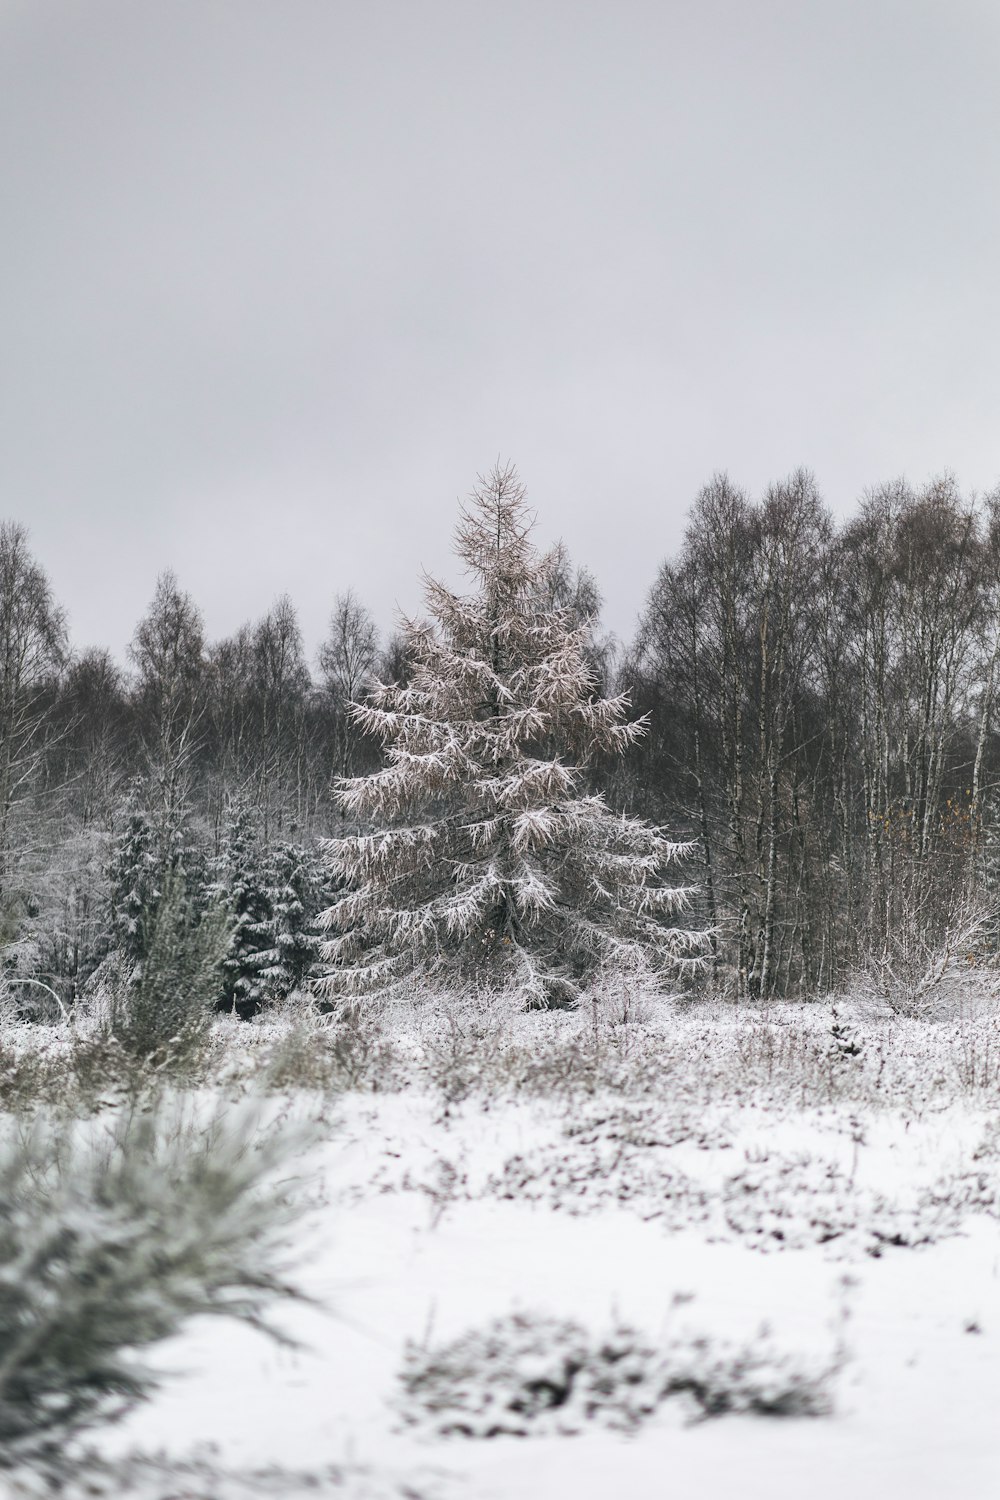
(490, 859)
(527, 1375)
(626, 1153)
(464, 1037)
(938, 964)
(794, 1202)
(65, 1067)
(989, 1147)
(109, 1240)
(337, 1055)
(609, 1152)
(622, 996)
(99, 1069)
(591, 1176)
(973, 1191)
(977, 1054)
(27, 1078)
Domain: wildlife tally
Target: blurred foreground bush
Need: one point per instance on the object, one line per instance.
(112, 1236)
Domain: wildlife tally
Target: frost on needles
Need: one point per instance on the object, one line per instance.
(489, 857)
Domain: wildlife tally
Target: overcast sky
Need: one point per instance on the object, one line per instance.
(280, 276)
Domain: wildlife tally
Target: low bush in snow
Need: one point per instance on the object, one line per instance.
(335, 1054)
(27, 1078)
(526, 1374)
(772, 1200)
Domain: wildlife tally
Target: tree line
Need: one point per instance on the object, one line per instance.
(820, 709)
(211, 757)
(822, 717)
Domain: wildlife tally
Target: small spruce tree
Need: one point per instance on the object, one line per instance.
(295, 887)
(167, 934)
(485, 854)
(144, 853)
(135, 875)
(165, 1008)
(244, 891)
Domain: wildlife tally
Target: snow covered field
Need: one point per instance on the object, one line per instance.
(819, 1187)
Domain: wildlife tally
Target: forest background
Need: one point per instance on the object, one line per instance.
(821, 719)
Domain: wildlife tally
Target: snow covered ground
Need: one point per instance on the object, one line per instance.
(832, 1177)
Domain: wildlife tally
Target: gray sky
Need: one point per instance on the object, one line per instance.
(279, 276)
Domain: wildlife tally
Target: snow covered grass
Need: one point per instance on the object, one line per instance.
(787, 1056)
(796, 1208)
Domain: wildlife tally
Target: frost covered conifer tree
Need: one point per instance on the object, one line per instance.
(488, 857)
(167, 933)
(243, 888)
(142, 855)
(134, 876)
(295, 884)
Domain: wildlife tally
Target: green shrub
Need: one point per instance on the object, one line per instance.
(109, 1240)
